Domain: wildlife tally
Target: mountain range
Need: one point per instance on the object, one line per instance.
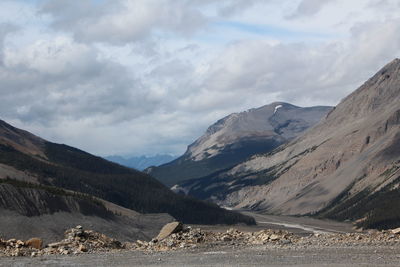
(340, 163)
(141, 162)
(347, 167)
(237, 137)
(42, 183)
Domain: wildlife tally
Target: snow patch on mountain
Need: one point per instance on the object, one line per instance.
(276, 108)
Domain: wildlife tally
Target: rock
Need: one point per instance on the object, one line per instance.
(58, 244)
(141, 243)
(19, 244)
(34, 243)
(91, 241)
(169, 229)
(226, 238)
(396, 231)
(82, 248)
(170, 243)
(16, 253)
(274, 237)
(74, 233)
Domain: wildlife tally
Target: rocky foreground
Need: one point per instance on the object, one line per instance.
(174, 236)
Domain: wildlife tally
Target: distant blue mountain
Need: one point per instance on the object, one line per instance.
(141, 162)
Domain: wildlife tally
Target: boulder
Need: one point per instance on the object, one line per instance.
(396, 231)
(169, 229)
(226, 238)
(34, 243)
(274, 237)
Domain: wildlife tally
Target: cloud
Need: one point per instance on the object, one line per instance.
(121, 21)
(315, 74)
(118, 22)
(5, 29)
(233, 7)
(54, 80)
(147, 77)
(308, 8)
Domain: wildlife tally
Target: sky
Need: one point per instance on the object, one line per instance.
(145, 77)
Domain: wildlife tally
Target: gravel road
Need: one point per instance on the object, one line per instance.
(300, 224)
(293, 224)
(229, 256)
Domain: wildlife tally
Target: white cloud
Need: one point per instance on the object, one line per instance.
(309, 8)
(54, 80)
(122, 21)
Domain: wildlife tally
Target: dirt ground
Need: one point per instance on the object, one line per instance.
(229, 256)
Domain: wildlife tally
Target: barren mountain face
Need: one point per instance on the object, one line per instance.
(279, 120)
(351, 156)
(237, 137)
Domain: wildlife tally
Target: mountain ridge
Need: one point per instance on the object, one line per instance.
(238, 136)
(69, 168)
(351, 156)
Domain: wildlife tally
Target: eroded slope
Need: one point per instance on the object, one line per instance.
(353, 151)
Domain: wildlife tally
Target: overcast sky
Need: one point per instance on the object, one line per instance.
(141, 77)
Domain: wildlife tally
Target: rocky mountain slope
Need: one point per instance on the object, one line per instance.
(142, 162)
(346, 167)
(238, 136)
(40, 178)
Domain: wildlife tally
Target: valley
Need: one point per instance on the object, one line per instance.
(200, 133)
(280, 183)
(344, 167)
